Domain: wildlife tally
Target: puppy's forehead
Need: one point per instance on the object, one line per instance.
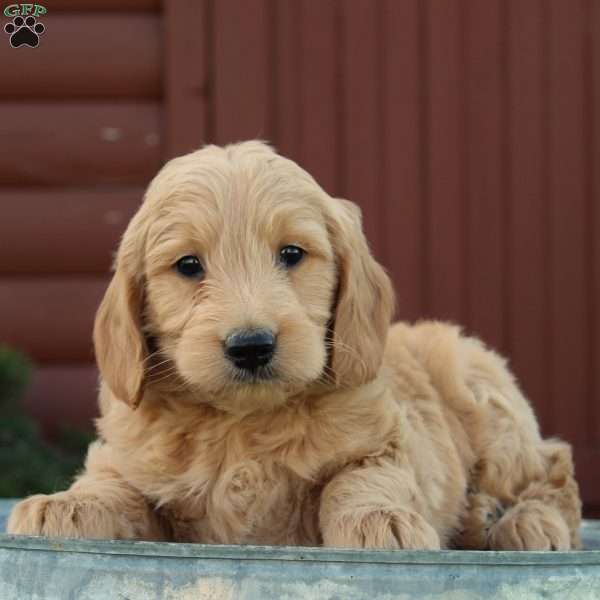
(207, 194)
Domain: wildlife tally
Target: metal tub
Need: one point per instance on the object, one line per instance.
(63, 569)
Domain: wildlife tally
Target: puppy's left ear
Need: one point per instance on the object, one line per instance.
(118, 338)
(364, 302)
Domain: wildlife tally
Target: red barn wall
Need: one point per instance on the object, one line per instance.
(467, 130)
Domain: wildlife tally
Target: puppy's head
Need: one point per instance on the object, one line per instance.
(241, 283)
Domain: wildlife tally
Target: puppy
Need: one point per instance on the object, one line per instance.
(249, 395)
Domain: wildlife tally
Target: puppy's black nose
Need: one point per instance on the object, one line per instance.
(250, 349)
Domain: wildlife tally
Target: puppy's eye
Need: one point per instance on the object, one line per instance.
(190, 266)
(290, 256)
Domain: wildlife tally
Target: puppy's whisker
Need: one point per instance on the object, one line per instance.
(330, 376)
(158, 353)
(158, 365)
(151, 356)
(163, 378)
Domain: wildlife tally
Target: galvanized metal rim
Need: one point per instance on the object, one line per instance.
(165, 550)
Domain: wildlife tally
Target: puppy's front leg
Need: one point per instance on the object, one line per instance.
(374, 507)
(100, 504)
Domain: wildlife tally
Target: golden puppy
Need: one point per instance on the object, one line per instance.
(249, 396)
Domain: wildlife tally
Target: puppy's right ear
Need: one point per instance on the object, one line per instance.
(118, 339)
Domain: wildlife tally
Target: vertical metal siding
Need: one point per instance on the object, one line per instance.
(467, 130)
(468, 133)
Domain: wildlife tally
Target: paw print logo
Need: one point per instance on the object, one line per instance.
(24, 32)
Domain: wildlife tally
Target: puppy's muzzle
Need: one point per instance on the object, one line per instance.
(250, 349)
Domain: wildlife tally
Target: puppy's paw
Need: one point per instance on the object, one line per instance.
(530, 525)
(42, 515)
(481, 514)
(64, 515)
(383, 529)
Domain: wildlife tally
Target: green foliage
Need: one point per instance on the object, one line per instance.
(28, 463)
(15, 371)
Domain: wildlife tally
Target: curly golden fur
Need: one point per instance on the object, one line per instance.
(420, 441)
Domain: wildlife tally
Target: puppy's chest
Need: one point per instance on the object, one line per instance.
(249, 500)
(255, 481)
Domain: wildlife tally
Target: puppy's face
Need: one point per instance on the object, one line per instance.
(240, 281)
(228, 280)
